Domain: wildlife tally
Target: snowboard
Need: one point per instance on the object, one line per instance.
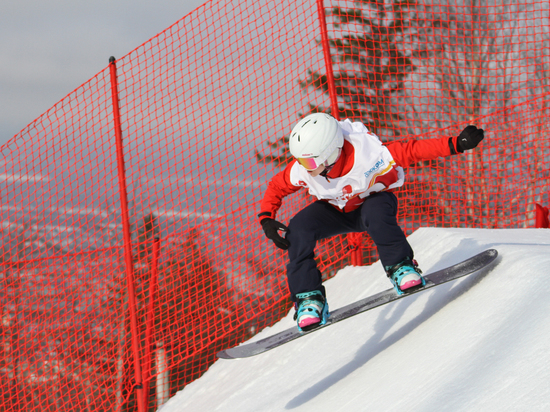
(439, 277)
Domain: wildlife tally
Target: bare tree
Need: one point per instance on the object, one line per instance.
(472, 67)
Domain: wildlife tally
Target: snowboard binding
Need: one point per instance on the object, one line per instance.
(405, 276)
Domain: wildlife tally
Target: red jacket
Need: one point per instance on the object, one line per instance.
(403, 153)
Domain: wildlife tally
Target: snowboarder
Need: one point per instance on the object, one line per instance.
(352, 174)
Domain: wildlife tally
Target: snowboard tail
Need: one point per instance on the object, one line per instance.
(439, 277)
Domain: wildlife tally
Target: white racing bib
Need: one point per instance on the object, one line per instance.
(373, 170)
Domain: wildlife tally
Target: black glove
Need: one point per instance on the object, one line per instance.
(271, 228)
(469, 138)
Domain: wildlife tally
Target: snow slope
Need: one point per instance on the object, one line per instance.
(481, 343)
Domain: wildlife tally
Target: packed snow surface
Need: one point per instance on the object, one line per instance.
(480, 343)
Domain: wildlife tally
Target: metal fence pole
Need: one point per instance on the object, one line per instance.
(328, 59)
(126, 234)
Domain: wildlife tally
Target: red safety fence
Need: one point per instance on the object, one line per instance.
(131, 251)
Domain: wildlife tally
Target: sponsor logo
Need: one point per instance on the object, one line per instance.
(375, 168)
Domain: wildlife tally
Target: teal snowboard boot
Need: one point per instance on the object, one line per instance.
(311, 310)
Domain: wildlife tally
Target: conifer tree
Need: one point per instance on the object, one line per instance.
(369, 64)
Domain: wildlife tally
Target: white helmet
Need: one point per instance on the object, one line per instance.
(316, 140)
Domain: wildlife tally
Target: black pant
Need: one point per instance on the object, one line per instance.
(377, 216)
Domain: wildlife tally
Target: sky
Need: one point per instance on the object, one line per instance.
(479, 343)
(48, 48)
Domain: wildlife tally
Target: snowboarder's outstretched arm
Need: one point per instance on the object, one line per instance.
(413, 151)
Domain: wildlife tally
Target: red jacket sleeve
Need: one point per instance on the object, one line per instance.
(414, 151)
(279, 187)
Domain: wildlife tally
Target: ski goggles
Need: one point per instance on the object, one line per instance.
(309, 163)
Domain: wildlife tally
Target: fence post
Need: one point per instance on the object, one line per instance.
(150, 322)
(328, 59)
(126, 235)
(354, 241)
